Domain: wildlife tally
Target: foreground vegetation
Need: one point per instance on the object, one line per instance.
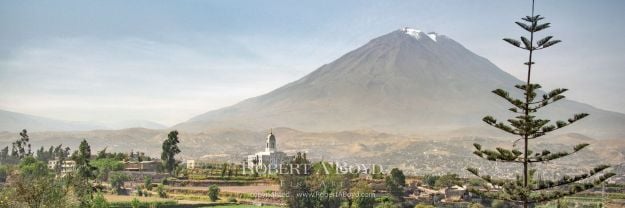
(72, 180)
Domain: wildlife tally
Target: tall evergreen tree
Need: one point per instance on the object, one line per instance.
(82, 158)
(525, 189)
(170, 149)
(84, 171)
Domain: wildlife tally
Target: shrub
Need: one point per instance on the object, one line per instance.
(139, 192)
(147, 182)
(383, 199)
(476, 205)
(117, 181)
(213, 192)
(135, 203)
(161, 191)
(498, 204)
(99, 202)
(363, 198)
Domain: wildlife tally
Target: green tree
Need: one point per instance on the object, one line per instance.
(35, 187)
(135, 203)
(4, 172)
(21, 147)
(84, 172)
(430, 180)
(398, 177)
(32, 168)
(497, 204)
(527, 127)
(376, 172)
(213, 192)
(82, 158)
(329, 186)
(363, 195)
(395, 184)
(447, 180)
(117, 179)
(104, 166)
(160, 189)
(170, 149)
(99, 201)
(147, 182)
(6, 157)
(139, 191)
(296, 183)
(224, 169)
(102, 154)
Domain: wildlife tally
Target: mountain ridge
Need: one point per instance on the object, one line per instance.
(14, 122)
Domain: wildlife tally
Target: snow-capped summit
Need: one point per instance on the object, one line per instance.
(432, 36)
(418, 33)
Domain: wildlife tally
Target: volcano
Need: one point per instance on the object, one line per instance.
(406, 81)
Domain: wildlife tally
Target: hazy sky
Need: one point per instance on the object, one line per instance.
(166, 61)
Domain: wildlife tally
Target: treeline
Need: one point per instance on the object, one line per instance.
(29, 182)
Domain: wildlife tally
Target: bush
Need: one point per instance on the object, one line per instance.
(383, 199)
(117, 181)
(99, 202)
(213, 192)
(476, 205)
(363, 198)
(161, 191)
(147, 182)
(497, 204)
(563, 203)
(139, 192)
(135, 203)
(232, 200)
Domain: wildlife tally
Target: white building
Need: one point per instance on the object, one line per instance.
(270, 158)
(190, 164)
(68, 166)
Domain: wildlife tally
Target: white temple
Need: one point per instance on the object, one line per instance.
(270, 158)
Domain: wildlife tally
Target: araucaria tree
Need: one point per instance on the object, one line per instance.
(170, 149)
(527, 127)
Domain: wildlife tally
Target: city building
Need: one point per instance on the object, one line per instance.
(191, 164)
(67, 166)
(270, 158)
(145, 166)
